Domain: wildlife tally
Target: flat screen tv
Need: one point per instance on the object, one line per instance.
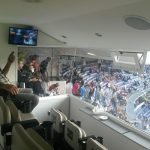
(23, 36)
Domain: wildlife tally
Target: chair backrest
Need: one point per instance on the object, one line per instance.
(94, 145)
(15, 115)
(57, 117)
(27, 140)
(5, 115)
(72, 134)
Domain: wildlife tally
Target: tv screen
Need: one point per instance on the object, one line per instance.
(23, 36)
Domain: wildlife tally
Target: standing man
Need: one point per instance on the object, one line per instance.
(43, 68)
(18, 96)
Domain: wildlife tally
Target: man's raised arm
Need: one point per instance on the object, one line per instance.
(10, 60)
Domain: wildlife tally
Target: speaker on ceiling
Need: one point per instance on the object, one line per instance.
(137, 22)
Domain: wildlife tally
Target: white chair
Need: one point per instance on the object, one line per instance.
(58, 119)
(92, 144)
(16, 114)
(72, 135)
(5, 117)
(10, 114)
(27, 139)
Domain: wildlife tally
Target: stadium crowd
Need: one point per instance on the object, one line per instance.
(109, 89)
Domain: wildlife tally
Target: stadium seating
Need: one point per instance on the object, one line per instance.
(16, 114)
(27, 139)
(58, 119)
(10, 114)
(5, 117)
(73, 134)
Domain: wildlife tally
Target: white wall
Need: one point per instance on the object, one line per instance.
(60, 102)
(112, 139)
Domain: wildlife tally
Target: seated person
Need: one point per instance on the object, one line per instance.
(75, 88)
(43, 68)
(7, 89)
(21, 75)
(34, 81)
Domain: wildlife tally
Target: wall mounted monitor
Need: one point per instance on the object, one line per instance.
(23, 36)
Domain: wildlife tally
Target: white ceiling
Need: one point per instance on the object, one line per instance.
(79, 20)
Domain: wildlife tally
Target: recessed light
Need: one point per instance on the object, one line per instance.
(91, 54)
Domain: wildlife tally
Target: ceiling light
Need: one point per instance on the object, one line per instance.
(91, 54)
(137, 22)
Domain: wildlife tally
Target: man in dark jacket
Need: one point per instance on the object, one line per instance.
(43, 68)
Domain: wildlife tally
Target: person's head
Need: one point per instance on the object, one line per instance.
(108, 85)
(20, 64)
(18, 31)
(92, 83)
(48, 59)
(81, 82)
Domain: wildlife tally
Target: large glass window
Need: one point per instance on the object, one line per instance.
(122, 93)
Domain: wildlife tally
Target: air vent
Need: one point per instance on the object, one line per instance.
(63, 36)
(98, 34)
(137, 22)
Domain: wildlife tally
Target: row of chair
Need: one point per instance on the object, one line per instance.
(27, 139)
(70, 136)
(10, 113)
(17, 129)
(64, 134)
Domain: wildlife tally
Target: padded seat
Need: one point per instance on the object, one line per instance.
(27, 139)
(72, 135)
(94, 145)
(57, 117)
(10, 114)
(16, 114)
(5, 117)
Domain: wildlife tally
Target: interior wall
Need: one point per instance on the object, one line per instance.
(112, 139)
(45, 104)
